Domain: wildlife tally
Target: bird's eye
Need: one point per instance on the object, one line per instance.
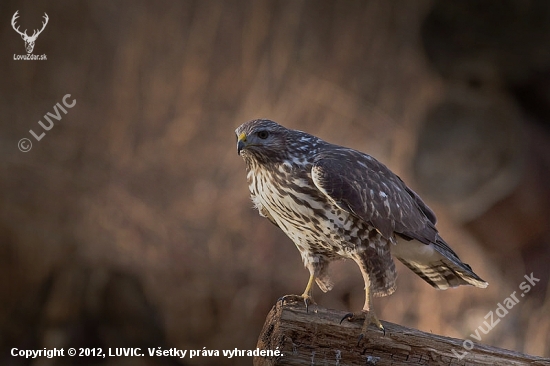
(263, 134)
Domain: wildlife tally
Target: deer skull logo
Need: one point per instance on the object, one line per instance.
(29, 40)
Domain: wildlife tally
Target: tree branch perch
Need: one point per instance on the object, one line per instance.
(318, 338)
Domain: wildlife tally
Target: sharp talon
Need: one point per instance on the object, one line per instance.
(348, 317)
(360, 338)
(306, 299)
(369, 318)
(286, 298)
(379, 325)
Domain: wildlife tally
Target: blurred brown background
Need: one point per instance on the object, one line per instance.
(129, 223)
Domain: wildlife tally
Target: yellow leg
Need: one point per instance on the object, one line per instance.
(309, 287)
(370, 315)
(367, 313)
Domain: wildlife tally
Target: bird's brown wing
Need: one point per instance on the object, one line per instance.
(367, 189)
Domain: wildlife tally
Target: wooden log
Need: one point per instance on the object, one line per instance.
(317, 338)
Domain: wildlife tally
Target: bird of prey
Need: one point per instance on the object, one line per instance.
(334, 202)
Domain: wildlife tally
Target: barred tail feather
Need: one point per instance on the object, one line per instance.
(444, 274)
(436, 264)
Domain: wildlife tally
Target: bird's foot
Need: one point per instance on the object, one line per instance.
(307, 299)
(368, 317)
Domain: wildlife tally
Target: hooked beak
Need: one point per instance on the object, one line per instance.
(241, 142)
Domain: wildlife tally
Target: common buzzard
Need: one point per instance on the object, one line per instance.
(335, 202)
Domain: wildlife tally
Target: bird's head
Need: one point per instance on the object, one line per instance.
(262, 140)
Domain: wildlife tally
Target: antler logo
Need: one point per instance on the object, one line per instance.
(29, 41)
